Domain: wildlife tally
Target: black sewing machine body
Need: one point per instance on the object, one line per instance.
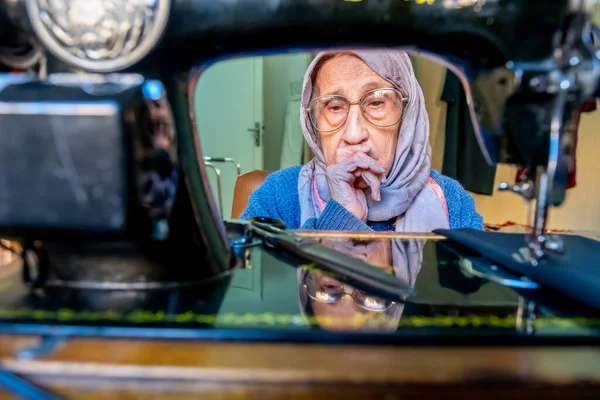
(452, 304)
(504, 51)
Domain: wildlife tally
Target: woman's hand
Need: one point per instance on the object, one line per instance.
(347, 179)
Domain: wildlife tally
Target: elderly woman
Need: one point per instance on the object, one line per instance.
(364, 118)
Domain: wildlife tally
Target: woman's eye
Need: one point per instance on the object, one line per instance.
(376, 103)
(376, 100)
(334, 106)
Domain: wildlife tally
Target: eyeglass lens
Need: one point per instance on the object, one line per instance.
(328, 290)
(381, 107)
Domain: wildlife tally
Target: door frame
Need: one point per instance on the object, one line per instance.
(258, 110)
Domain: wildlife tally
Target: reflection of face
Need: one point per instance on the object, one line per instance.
(330, 316)
(162, 141)
(343, 315)
(350, 77)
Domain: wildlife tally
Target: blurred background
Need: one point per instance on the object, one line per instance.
(235, 98)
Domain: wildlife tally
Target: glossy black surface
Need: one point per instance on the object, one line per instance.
(496, 30)
(517, 39)
(265, 301)
(91, 168)
(78, 190)
(498, 45)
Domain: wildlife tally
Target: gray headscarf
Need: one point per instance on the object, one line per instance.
(406, 194)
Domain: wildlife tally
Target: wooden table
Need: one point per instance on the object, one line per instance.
(137, 369)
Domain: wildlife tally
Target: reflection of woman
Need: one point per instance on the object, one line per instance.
(159, 179)
(364, 118)
(339, 307)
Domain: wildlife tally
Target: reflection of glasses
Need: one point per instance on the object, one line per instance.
(332, 291)
(381, 107)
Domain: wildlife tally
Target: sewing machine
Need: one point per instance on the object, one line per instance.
(110, 83)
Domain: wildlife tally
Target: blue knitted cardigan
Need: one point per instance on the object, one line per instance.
(277, 198)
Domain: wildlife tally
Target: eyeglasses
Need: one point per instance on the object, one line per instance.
(331, 291)
(381, 107)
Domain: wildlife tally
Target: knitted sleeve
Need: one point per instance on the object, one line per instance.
(461, 206)
(336, 218)
(277, 198)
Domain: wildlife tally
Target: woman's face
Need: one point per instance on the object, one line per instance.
(349, 76)
(346, 315)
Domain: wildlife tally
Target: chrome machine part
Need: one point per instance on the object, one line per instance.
(573, 78)
(24, 57)
(19, 48)
(99, 35)
(484, 269)
(237, 166)
(526, 316)
(219, 190)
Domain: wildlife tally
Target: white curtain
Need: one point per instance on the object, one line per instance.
(292, 146)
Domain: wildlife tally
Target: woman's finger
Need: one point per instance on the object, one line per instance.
(374, 166)
(349, 151)
(380, 175)
(374, 184)
(341, 172)
(358, 174)
(363, 162)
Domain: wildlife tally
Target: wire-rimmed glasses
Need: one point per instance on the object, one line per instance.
(381, 107)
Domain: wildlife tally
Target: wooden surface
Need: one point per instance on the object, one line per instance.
(591, 234)
(143, 391)
(366, 235)
(103, 390)
(167, 369)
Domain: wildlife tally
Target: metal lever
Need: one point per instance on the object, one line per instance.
(225, 160)
(538, 241)
(219, 195)
(524, 189)
(256, 131)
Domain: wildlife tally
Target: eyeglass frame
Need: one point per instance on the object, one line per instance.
(344, 294)
(354, 103)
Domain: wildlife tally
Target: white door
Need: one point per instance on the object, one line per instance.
(229, 106)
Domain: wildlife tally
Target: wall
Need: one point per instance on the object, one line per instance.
(431, 78)
(581, 209)
(279, 72)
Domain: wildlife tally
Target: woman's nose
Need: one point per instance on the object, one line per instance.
(355, 131)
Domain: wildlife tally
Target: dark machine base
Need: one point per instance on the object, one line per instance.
(574, 273)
